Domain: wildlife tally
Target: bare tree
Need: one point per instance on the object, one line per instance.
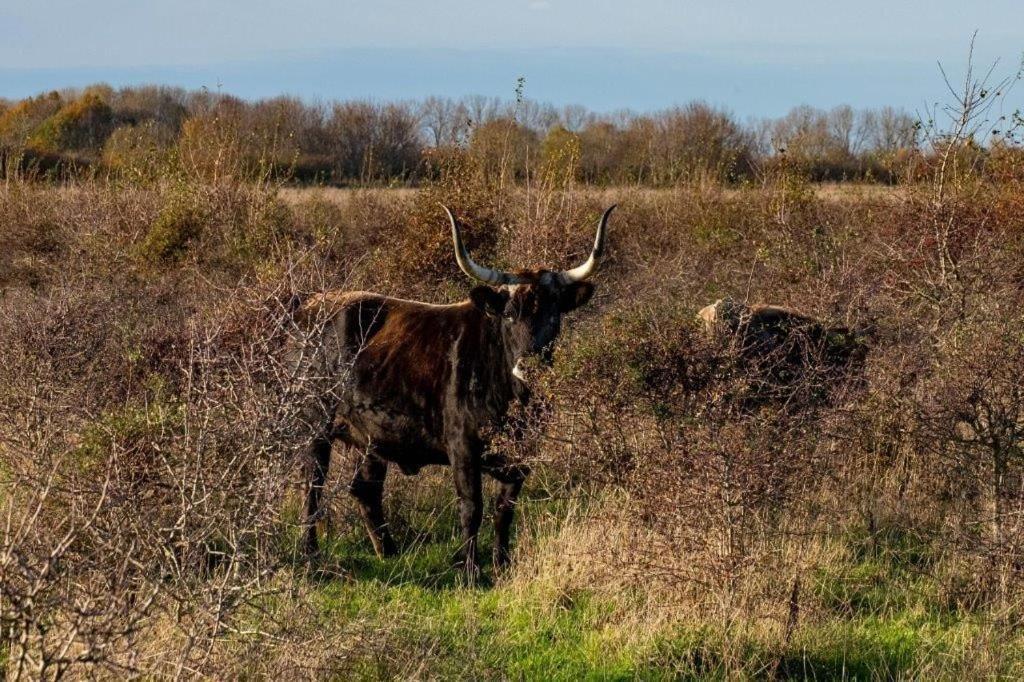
(483, 109)
(444, 120)
(575, 117)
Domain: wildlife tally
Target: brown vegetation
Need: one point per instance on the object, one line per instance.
(149, 435)
(365, 143)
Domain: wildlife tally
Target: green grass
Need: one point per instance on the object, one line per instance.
(491, 632)
(493, 629)
(873, 617)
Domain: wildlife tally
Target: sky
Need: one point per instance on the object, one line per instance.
(754, 58)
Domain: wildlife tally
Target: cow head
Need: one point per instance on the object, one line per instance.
(529, 305)
(724, 314)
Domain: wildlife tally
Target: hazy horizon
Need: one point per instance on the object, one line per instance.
(750, 59)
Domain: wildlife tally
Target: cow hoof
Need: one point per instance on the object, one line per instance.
(470, 570)
(502, 562)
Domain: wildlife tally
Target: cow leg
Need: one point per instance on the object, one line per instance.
(468, 488)
(511, 478)
(320, 452)
(368, 488)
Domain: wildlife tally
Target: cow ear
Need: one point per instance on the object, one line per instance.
(489, 300)
(575, 295)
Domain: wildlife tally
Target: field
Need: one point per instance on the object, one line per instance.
(151, 462)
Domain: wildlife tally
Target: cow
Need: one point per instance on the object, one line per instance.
(421, 384)
(783, 346)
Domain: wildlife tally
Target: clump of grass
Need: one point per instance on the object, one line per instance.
(180, 223)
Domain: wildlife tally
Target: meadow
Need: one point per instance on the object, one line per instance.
(151, 462)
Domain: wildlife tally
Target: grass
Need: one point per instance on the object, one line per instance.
(499, 628)
(490, 632)
(869, 616)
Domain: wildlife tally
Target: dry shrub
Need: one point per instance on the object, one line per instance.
(138, 154)
(230, 229)
(699, 478)
(971, 428)
(80, 228)
(151, 426)
(209, 150)
(179, 222)
(413, 249)
(653, 379)
(551, 226)
(144, 487)
(30, 240)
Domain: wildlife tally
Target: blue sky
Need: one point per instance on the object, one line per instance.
(755, 58)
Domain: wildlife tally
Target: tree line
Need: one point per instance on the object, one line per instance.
(133, 129)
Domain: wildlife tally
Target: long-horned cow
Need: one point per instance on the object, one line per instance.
(785, 346)
(420, 384)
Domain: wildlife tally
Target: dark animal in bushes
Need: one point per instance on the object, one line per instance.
(416, 384)
(786, 348)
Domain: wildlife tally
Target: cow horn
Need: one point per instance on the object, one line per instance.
(478, 272)
(582, 272)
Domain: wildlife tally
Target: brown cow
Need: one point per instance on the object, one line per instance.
(784, 345)
(420, 384)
